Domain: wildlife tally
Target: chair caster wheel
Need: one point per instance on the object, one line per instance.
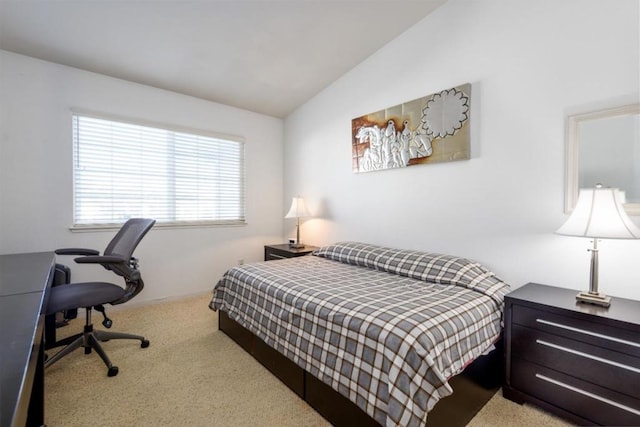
(113, 371)
(144, 343)
(107, 323)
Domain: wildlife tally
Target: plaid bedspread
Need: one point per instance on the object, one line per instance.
(386, 328)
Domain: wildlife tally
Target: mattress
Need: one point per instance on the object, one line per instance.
(384, 327)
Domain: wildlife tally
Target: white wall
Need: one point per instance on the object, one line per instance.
(530, 63)
(36, 173)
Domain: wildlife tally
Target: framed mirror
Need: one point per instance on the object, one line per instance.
(604, 147)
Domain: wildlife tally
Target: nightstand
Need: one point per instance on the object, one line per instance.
(579, 361)
(272, 252)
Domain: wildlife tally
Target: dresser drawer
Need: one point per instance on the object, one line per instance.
(599, 404)
(615, 338)
(577, 360)
(597, 365)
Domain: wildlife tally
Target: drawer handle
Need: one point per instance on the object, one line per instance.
(589, 356)
(276, 256)
(588, 394)
(593, 334)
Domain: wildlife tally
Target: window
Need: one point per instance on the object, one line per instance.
(124, 170)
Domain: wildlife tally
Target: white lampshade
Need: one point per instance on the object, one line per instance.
(599, 213)
(298, 209)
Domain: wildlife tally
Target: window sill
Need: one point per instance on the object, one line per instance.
(190, 224)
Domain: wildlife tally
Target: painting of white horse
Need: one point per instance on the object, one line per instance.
(426, 130)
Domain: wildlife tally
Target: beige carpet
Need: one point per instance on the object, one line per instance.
(193, 375)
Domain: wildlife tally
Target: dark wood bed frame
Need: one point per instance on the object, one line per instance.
(472, 388)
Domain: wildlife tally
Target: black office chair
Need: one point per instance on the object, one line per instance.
(117, 258)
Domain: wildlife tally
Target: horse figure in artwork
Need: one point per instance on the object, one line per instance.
(391, 148)
(372, 157)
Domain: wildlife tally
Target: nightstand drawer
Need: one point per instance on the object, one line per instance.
(594, 364)
(271, 256)
(591, 332)
(601, 405)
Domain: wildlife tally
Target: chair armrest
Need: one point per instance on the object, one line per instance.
(76, 251)
(100, 259)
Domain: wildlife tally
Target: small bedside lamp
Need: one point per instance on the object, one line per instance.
(298, 210)
(599, 214)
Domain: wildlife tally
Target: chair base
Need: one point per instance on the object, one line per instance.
(90, 340)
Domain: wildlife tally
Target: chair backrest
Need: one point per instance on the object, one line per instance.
(125, 241)
(123, 244)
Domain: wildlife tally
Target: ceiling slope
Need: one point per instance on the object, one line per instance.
(264, 56)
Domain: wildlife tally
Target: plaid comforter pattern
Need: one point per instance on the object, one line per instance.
(386, 340)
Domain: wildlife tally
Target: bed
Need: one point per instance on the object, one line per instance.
(385, 328)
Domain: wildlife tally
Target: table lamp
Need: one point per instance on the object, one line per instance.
(599, 214)
(298, 210)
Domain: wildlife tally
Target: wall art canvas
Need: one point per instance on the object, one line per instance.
(431, 129)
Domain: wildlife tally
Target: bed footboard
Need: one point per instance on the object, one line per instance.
(472, 388)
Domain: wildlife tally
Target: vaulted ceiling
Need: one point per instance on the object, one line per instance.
(265, 56)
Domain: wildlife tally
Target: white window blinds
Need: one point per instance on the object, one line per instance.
(124, 170)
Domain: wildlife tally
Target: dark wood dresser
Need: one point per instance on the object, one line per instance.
(579, 361)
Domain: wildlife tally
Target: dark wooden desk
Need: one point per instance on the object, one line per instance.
(24, 280)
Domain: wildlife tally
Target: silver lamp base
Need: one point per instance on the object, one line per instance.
(296, 245)
(594, 298)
